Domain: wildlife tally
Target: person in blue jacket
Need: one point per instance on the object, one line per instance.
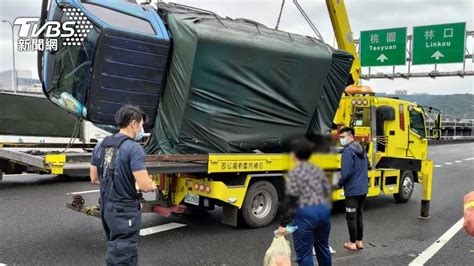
(354, 180)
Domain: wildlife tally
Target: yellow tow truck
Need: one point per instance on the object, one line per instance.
(249, 186)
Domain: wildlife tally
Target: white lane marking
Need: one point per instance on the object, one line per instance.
(469, 159)
(448, 163)
(1, 264)
(160, 228)
(437, 165)
(83, 192)
(457, 161)
(437, 245)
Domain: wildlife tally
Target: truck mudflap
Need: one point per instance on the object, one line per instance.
(166, 212)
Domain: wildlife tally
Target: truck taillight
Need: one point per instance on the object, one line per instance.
(196, 186)
(208, 189)
(401, 119)
(202, 188)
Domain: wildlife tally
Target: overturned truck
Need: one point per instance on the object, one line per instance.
(207, 83)
(235, 85)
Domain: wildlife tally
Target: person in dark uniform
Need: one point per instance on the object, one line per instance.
(307, 205)
(118, 166)
(354, 179)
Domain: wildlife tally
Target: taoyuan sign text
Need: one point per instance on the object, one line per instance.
(382, 48)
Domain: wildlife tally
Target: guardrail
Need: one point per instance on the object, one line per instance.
(451, 140)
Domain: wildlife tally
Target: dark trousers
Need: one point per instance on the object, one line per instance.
(354, 207)
(314, 225)
(121, 223)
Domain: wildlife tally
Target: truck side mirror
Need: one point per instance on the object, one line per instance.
(437, 128)
(438, 121)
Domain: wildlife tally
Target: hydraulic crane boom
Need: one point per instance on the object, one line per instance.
(342, 31)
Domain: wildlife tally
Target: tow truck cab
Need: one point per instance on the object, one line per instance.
(393, 131)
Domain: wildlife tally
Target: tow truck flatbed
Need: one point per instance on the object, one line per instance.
(16, 161)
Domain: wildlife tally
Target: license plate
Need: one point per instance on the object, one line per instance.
(192, 199)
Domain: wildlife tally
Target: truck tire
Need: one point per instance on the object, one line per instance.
(260, 205)
(405, 187)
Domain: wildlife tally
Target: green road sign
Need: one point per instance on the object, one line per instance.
(436, 44)
(385, 47)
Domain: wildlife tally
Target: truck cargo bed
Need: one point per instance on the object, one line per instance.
(15, 161)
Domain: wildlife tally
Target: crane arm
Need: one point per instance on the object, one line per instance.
(342, 31)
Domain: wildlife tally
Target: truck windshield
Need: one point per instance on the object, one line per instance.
(361, 117)
(417, 123)
(67, 70)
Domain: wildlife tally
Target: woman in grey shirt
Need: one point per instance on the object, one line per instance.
(306, 203)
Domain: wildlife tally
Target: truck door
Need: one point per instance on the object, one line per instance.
(417, 141)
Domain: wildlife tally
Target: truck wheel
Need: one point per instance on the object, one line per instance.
(260, 205)
(405, 188)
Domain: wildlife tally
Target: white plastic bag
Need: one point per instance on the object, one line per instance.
(279, 253)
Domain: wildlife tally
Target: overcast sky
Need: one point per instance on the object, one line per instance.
(363, 15)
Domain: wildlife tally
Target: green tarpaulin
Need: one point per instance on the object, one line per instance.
(237, 86)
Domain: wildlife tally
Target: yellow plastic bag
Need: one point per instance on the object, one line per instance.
(279, 253)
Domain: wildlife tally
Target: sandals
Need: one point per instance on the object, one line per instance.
(350, 246)
(359, 245)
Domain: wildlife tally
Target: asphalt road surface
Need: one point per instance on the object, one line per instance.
(37, 229)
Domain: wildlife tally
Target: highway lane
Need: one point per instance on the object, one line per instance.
(36, 228)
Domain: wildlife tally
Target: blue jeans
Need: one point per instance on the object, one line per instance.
(314, 225)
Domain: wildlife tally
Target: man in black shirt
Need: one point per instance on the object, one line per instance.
(118, 163)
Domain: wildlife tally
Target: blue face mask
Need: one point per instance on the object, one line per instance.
(343, 141)
(140, 134)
